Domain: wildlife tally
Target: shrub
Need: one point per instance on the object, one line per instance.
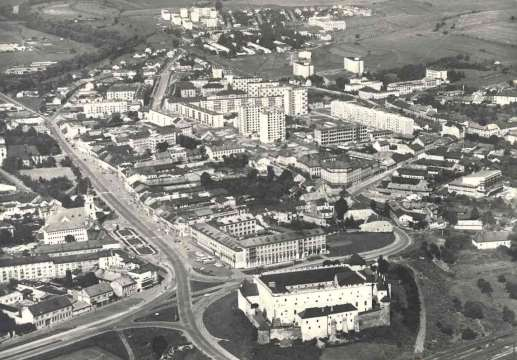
(468, 334)
(485, 287)
(473, 309)
(508, 315)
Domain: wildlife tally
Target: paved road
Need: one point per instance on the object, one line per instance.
(146, 227)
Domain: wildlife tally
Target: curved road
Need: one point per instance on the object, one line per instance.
(164, 244)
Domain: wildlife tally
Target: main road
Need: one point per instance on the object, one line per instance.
(144, 226)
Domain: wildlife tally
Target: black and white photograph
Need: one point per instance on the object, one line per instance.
(258, 180)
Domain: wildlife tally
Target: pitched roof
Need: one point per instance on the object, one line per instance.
(98, 289)
(492, 236)
(327, 310)
(50, 305)
(66, 219)
(278, 282)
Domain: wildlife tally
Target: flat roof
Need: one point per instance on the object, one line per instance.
(279, 238)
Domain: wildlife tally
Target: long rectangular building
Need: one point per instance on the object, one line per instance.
(259, 250)
(372, 117)
(340, 134)
(48, 267)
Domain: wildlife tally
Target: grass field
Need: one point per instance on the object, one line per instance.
(141, 342)
(169, 314)
(49, 173)
(347, 244)
(106, 346)
(88, 354)
(45, 47)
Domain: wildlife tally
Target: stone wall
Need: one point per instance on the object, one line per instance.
(374, 318)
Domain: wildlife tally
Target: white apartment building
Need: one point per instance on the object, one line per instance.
(484, 131)
(199, 114)
(123, 92)
(327, 23)
(242, 83)
(239, 225)
(319, 300)
(436, 74)
(159, 118)
(104, 108)
(218, 152)
(272, 126)
(294, 98)
(479, 184)
(346, 173)
(505, 97)
(303, 68)
(46, 267)
(373, 117)
(354, 65)
(248, 120)
(407, 87)
(340, 134)
(257, 251)
(66, 222)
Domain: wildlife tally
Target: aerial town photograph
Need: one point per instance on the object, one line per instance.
(258, 180)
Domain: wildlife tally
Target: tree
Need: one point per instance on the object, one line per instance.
(473, 309)
(488, 218)
(501, 278)
(252, 175)
(451, 216)
(340, 208)
(69, 281)
(162, 146)
(383, 266)
(485, 287)
(270, 173)
(69, 238)
(474, 214)
(206, 179)
(508, 315)
(219, 5)
(159, 345)
(468, 334)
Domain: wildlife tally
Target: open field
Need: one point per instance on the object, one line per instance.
(45, 47)
(90, 353)
(443, 290)
(347, 244)
(141, 340)
(106, 346)
(49, 173)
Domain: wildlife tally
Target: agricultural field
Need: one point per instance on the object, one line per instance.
(43, 46)
(405, 32)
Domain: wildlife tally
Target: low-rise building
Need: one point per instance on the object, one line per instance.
(124, 286)
(66, 225)
(218, 152)
(354, 65)
(489, 240)
(47, 312)
(96, 295)
(479, 184)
